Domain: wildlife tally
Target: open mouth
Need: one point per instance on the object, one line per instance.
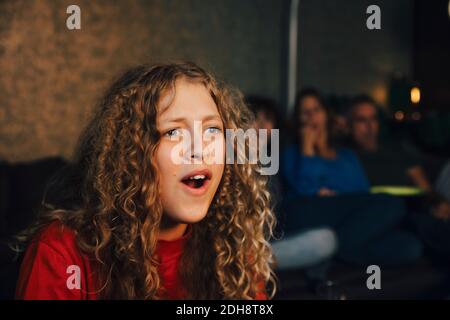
(197, 179)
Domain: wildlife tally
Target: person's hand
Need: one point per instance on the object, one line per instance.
(325, 192)
(309, 137)
(441, 211)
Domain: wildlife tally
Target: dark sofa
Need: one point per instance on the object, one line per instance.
(22, 187)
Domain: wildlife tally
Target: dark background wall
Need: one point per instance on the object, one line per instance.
(432, 52)
(51, 77)
(338, 54)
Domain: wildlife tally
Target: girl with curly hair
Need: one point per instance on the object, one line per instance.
(137, 225)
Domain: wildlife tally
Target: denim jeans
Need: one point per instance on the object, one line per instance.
(305, 249)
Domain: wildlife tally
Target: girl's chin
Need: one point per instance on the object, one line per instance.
(193, 218)
(188, 217)
(184, 209)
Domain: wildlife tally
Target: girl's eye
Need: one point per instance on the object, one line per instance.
(213, 130)
(173, 133)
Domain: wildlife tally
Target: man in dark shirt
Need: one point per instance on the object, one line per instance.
(385, 163)
(389, 164)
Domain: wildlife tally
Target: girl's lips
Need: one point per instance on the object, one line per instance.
(204, 172)
(197, 182)
(196, 191)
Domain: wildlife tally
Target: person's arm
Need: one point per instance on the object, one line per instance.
(419, 178)
(44, 275)
(439, 206)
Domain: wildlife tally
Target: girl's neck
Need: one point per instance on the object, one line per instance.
(170, 231)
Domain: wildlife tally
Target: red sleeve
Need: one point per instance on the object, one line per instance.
(261, 293)
(44, 271)
(43, 275)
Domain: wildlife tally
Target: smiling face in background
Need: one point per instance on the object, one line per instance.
(187, 190)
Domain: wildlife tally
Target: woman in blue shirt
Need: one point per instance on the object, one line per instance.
(327, 187)
(316, 175)
(313, 165)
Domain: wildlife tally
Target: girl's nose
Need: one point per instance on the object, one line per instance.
(196, 154)
(197, 149)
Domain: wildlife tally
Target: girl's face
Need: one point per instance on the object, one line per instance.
(187, 190)
(312, 113)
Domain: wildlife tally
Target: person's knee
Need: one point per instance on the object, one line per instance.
(305, 249)
(325, 241)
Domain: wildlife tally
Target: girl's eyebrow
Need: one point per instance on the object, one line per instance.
(206, 118)
(212, 117)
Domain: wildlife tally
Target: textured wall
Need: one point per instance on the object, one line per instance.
(51, 77)
(338, 54)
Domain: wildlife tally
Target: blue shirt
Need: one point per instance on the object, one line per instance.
(306, 175)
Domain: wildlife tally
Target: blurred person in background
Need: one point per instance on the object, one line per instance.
(327, 187)
(443, 182)
(309, 248)
(388, 163)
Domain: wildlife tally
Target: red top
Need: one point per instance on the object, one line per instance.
(54, 268)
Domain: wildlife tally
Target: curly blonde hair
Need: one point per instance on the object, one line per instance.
(115, 210)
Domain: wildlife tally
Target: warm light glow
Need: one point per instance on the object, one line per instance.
(415, 95)
(399, 115)
(449, 8)
(379, 93)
